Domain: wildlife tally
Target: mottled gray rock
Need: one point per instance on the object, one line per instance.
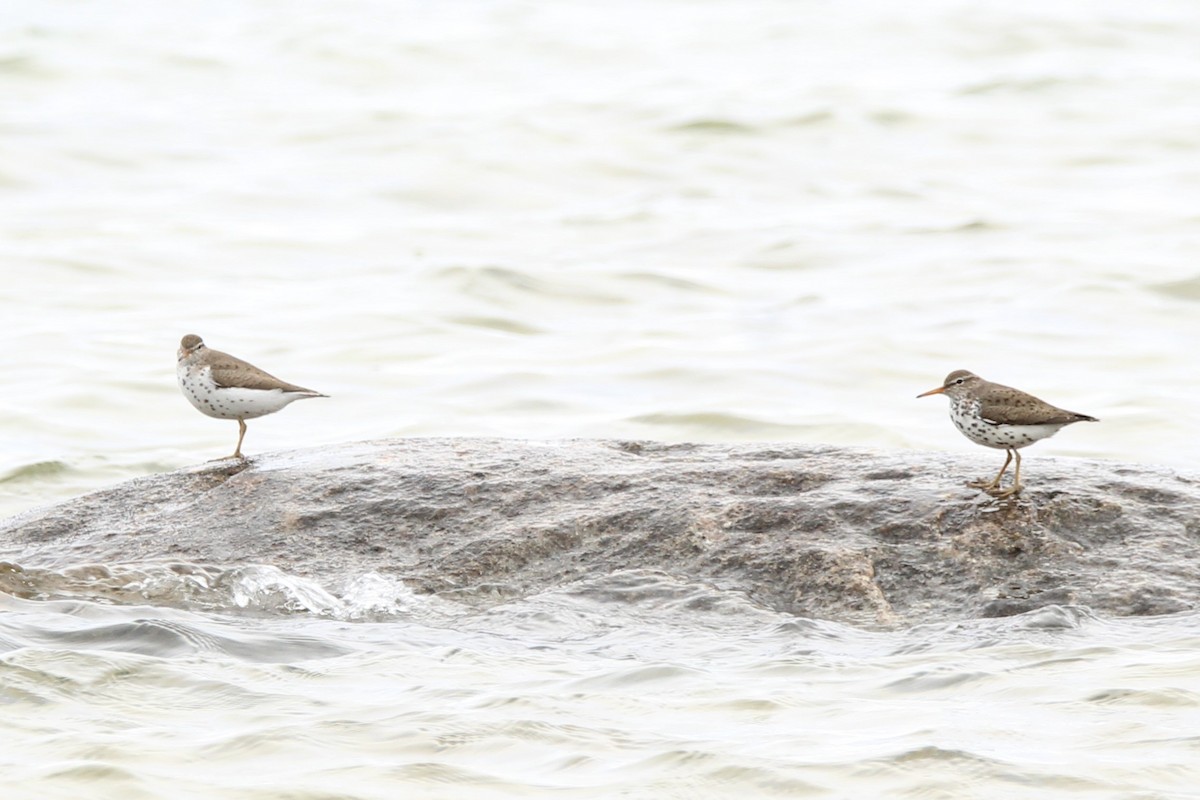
(850, 535)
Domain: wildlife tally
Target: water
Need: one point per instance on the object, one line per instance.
(632, 685)
(682, 221)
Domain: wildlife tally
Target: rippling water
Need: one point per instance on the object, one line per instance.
(630, 685)
(671, 220)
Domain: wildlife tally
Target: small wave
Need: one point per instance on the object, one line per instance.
(38, 470)
(183, 585)
(1032, 85)
(251, 589)
(499, 324)
(671, 282)
(502, 284)
(373, 596)
(79, 633)
(1188, 289)
(725, 127)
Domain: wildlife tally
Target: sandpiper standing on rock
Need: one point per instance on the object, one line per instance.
(225, 387)
(1002, 417)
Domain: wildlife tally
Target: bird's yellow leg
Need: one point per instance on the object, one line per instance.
(237, 452)
(1016, 484)
(985, 484)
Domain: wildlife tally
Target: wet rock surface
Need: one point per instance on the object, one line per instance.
(855, 536)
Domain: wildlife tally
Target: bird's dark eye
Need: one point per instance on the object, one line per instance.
(959, 381)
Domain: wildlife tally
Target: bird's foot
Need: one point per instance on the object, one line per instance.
(1011, 491)
(985, 484)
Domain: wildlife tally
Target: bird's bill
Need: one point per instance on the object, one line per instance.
(939, 390)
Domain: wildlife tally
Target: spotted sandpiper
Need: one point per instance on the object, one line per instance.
(225, 387)
(1002, 417)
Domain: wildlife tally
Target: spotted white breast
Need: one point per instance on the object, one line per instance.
(230, 402)
(967, 418)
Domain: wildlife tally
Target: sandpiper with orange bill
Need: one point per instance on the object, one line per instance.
(1000, 416)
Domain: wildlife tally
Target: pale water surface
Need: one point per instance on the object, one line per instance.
(633, 685)
(669, 220)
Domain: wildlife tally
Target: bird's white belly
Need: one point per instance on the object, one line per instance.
(966, 418)
(229, 402)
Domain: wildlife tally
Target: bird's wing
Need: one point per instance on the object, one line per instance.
(230, 370)
(1025, 409)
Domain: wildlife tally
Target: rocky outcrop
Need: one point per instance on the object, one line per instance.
(849, 535)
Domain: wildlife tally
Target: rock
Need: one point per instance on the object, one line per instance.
(862, 537)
